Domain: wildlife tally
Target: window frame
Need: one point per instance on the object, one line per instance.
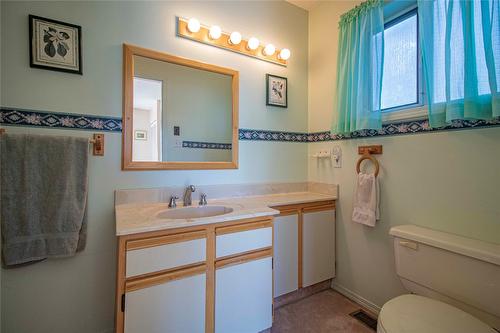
(412, 111)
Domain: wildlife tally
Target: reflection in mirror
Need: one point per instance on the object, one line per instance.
(180, 113)
(147, 120)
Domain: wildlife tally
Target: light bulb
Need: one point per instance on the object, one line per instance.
(285, 54)
(193, 25)
(235, 38)
(269, 50)
(215, 32)
(253, 43)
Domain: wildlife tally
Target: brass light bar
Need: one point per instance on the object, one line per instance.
(202, 36)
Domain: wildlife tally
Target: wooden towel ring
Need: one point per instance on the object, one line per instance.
(368, 157)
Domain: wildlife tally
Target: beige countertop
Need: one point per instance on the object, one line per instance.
(142, 217)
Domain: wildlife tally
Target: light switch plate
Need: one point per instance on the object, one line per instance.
(337, 157)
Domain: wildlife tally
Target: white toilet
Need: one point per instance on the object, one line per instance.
(454, 281)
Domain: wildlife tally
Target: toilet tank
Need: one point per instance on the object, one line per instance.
(461, 271)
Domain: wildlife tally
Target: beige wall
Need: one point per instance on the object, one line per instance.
(323, 41)
(447, 181)
(77, 294)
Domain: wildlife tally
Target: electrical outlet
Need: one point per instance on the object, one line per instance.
(337, 157)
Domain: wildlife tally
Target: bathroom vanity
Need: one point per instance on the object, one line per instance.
(188, 269)
(215, 267)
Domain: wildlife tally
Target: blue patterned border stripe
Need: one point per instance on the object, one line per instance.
(410, 127)
(21, 117)
(265, 135)
(205, 145)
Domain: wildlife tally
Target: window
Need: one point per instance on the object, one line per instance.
(402, 78)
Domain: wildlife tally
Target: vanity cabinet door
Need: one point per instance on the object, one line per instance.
(318, 256)
(167, 252)
(286, 254)
(243, 297)
(174, 306)
(233, 243)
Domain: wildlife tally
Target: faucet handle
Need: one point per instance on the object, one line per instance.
(172, 203)
(203, 199)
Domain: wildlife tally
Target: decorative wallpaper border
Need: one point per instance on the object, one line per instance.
(265, 135)
(401, 128)
(22, 117)
(406, 127)
(205, 145)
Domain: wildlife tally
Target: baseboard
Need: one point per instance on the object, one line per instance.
(356, 298)
(301, 293)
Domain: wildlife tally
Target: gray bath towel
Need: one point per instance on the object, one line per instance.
(43, 196)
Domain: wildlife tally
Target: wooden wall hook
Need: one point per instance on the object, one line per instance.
(98, 141)
(373, 149)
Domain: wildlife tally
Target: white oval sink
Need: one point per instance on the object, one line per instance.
(194, 212)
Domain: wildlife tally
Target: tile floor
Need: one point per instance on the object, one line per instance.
(326, 311)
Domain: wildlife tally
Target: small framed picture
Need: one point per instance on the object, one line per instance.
(55, 45)
(140, 135)
(277, 91)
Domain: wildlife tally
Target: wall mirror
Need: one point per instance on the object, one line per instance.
(178, 113)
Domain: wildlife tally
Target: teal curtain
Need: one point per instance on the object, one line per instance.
(460, 42)
(359, 69)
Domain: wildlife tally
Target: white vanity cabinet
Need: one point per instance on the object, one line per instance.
(173, 306)
(229, 243)
(222, 277)
(209, 278)
(167, 256)
(304, 245)
(162, 281)
(318, 249)
(244, 278)
(243, 297)
(286, 253)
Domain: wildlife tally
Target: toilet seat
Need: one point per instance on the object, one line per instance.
(418, 314)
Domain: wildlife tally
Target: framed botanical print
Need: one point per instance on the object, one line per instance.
(276, 91)
(55, 45)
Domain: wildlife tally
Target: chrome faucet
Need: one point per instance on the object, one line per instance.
(172, 203)
(203, 199)
(187, 195)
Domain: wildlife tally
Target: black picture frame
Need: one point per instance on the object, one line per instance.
(32, 45)
(269, 102)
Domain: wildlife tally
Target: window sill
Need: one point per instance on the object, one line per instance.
(417, 113)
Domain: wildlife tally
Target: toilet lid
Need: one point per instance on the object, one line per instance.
(417, 314)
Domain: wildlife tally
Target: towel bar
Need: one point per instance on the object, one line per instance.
(97, 141)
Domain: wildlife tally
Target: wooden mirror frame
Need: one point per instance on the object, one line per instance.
(129, 51)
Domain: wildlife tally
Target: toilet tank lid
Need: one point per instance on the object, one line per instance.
(474, 248)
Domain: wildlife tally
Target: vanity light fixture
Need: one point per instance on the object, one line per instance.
(213, 35)
(253, 44)
(193, 25)
(215, 32)
(284, 54)
(235, 38)
(269, 50)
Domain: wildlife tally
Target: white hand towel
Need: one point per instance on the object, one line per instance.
(366, 200)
